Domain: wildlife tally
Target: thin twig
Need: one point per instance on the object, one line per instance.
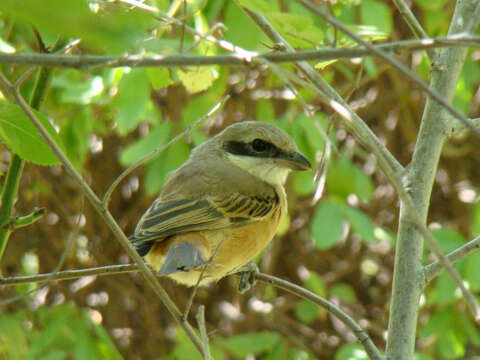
(433, 269)
(359, 332)
(105, 214)
(188, 130)
(203, 332)
(412, 23)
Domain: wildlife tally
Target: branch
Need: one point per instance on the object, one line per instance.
(111, 188)
(412, 22)
(9, 192)
(104, 214)
(359, 332)
(239, 58)
(432, 270)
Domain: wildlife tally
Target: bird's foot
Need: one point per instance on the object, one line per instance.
(247, 277)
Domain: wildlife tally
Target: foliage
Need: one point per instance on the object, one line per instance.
(341, 247)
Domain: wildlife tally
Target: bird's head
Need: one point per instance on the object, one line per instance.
(261, 149)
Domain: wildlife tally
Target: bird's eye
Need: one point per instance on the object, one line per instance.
(260, 145)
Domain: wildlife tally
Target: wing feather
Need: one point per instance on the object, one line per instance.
(166, 218)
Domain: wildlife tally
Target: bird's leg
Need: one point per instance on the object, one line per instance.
(247, 276)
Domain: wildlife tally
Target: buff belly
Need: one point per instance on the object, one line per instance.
(228, 249)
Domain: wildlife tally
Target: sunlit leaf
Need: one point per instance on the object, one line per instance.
(196, 79)
(159, 77)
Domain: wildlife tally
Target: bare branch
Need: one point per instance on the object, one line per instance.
(359, 332)
(412, 22)
(432, 270)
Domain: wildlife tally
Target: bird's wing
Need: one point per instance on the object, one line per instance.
(168, 217)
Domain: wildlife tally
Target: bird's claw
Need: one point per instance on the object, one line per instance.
(247, 277)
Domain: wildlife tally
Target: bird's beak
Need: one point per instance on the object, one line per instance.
(296, 161)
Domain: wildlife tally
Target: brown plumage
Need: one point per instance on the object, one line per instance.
(222, 206)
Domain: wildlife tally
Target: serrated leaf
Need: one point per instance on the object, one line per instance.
(22, 137)
(327, 225)
(131, 100)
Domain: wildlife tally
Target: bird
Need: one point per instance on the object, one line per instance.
(220, 209)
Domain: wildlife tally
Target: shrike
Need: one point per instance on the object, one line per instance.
(222, 206)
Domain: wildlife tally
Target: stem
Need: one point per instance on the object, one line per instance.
(408, 270)
(9, 192)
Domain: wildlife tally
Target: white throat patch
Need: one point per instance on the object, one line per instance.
(264, 169)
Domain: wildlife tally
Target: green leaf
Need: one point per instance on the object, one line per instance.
(13, 341)
(159, 77)
(252, 343)
(131, 100)
(239, 25)
(345, 292)
(327, 225)
(167, 161)
(298, 30)
(450, 344)
(447, 239)
(306, 311)
(316, 284)
(351, 352)
(378, 14)
(361, 223)
(110, 29)
(262, 6)
(154, 139)
(444, 290)
(77, 87)
(344, 179)
(438, 323)
(22, 137)
(472, 271)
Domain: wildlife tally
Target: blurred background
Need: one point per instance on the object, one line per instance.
(338, 239)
